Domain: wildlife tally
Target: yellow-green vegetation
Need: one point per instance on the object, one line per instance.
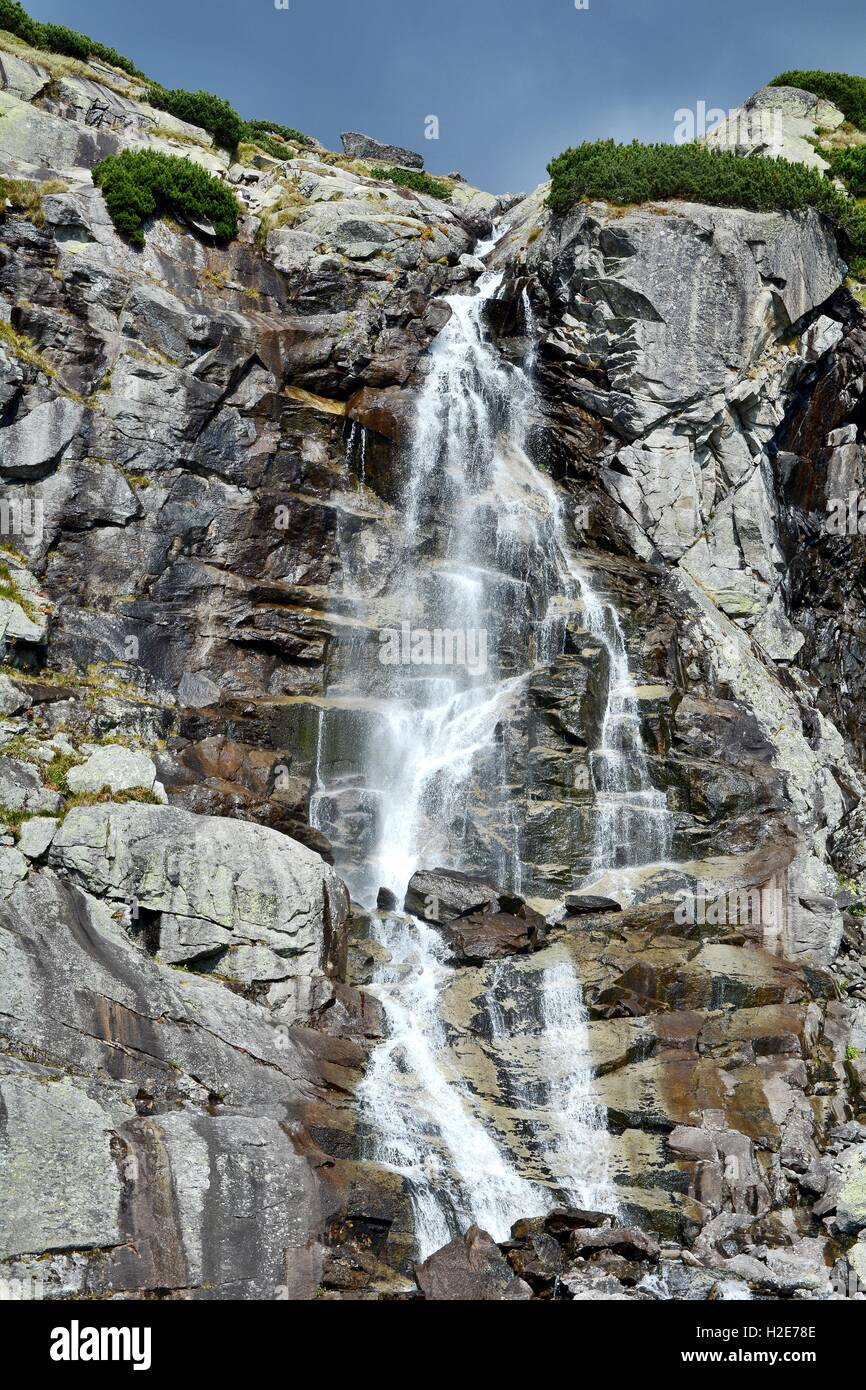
(27, 196)
(858, 290)
(179, 137)
(9, 590)
(140, 794)
(57, 771)
(135, 480)
(21, 347)
(212, 279)
(283, 213)
(14, 819)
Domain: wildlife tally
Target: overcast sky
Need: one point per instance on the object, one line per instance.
(512, 82)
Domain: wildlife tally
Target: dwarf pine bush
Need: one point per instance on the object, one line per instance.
(413, 178)
(639, 173)
(850, 165)
(203, 109)
(261, 133)
(57, 38)
(138, 184)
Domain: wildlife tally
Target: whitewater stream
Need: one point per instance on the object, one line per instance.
(463, 624)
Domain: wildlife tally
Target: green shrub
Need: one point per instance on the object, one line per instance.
(638, 173)
(413, 178)
(57, 38)
(202, 109)
(850, 165)
(15, 20)
(138, 184)
(845, 90)
(256, 131)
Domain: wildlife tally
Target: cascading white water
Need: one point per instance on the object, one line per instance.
(501, 567)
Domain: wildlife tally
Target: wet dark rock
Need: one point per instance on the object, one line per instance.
(440, 895)
(471, 1267)
(479, 936)
(580, 904)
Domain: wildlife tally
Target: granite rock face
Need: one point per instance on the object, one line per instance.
(258, 907)
(215, 440)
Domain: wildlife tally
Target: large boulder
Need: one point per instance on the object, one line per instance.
(471, 1268)
(250, 903)
(482, 936)
(439, 895)
(778, 122)
(359, 146)
(115, 768)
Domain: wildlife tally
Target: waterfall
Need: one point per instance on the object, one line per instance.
(482, 566)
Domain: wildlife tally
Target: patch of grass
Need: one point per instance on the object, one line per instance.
(9, 590)
(212, 279)
(416, 180)
(140, 794)
(852, 1053)
(57, 38)
(57, 771)
(136, 480)
(138, 184)
(13, 820)
(27, 196)
(845, 90)
(639, 174)
(21, 347)
(180, 137)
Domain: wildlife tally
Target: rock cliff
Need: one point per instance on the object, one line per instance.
(203, 454)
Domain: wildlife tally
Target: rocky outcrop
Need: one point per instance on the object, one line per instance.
(358, 146)
(779, 122)
(165, 1106)
(251, 904)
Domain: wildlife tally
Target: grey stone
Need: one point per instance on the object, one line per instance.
(12, 697)
(114, 768)
(13, 867)
(208, 1194)
(281, 904)
(197, 690)
(36, 440)
(36, 835)
(359, 146)
(21, 788)
(778, 122)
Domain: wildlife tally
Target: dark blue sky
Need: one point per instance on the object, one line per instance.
(512, 82)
